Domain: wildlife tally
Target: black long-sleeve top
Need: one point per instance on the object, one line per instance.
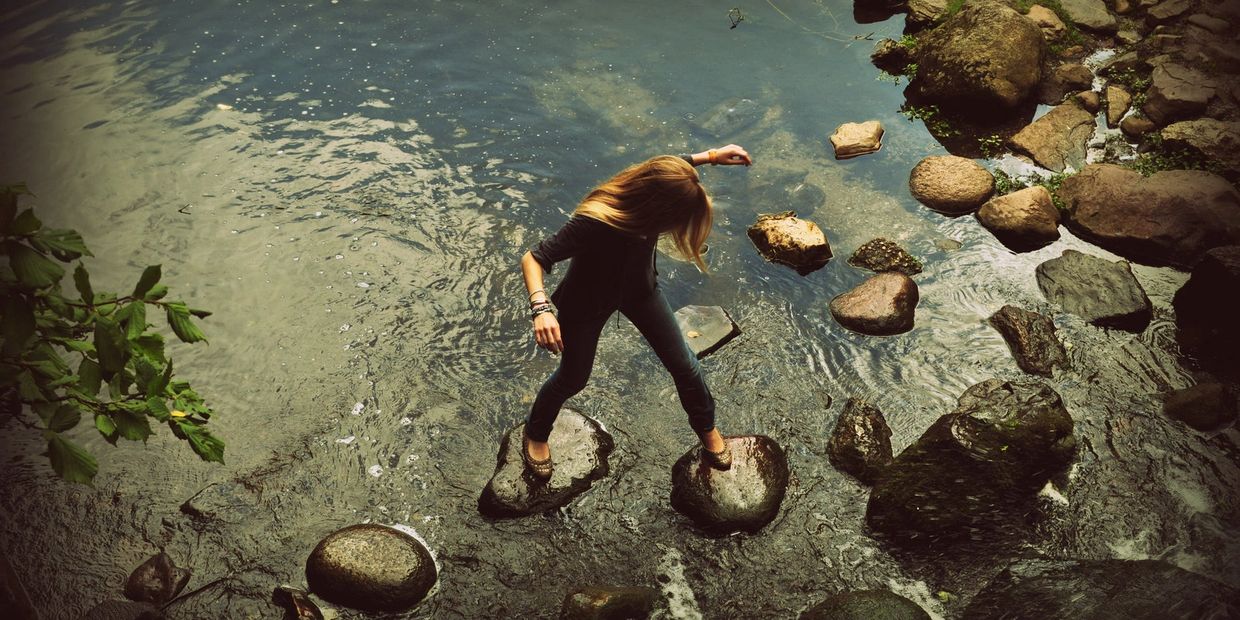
(608, 267)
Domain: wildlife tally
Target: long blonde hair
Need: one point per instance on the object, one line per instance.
(661, 195)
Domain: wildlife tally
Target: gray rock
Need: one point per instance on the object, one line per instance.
(1031, 338)
(743, 498)
(1090, 14)
(372, 568)
(706, 328)
(860, 445)
(596, 603)
(1205, 406)
(976, 466)
(788, 240)
(1210, 139)
(951, 185)
(1035, 589)
(1177, 92)
(1170, 218)
(123, 610)
(1057, 139)
(156, 580)
(866, 605)
(883, 305)
(985, 57)
(1167, 10)
(881, 255)
(296, 603)
(1102, 292)
(1118, 101)
(1205, 309)
(1023, 220)
(579, 449)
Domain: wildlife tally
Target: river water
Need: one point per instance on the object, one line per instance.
(348, 185)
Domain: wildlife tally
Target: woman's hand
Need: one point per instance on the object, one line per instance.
(547, 333)
(731, 155)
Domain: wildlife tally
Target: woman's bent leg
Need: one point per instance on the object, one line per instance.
(580, 342)
(654, 319)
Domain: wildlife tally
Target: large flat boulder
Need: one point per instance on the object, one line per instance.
(1102, 292)
(706, 328)
(1057, 139)
(1170, 218)
(860, 445)
(950, 185)
(883, 305)
(1023, 220)
(1090, 14)
(745, 497)
(976, 466)
(372, 568)
(579, 449)
(1177, 92)
(788, 240)
(1031, 338)
(1208, 138)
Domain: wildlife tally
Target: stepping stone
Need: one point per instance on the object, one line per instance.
(1023, 220)
(371, 567)
(706, 328)
(881, 255)
(854, 139)
(1102, 292)
(579, 449)
(950, 185)
(1031, 338)
(156, 580)
(743, 498)
(884, 305)
(788, 240)
(860, 445)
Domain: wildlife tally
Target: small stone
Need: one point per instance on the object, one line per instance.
(866, 605)
(1031, 338)
(1066, 78)
(860, 445)
(372, 568)
(881, 255)
(156, 580)
(1118, 101)
(883, 305)
(947, 245)
(1127, 37)
(746, 497)
(788, 240)
(951, 185)
(1102, 292)
(597, 603)
(706, 328)
(297, 603)
(853, 139)
(1205, 406)
(1047, 20)
(1123, 7)
(1090, 101)
(1135, 126)
(1022, 220)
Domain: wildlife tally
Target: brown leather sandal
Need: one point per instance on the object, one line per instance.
(721, 460)
(541, 469)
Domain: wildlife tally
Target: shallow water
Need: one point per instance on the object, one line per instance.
(349, 186)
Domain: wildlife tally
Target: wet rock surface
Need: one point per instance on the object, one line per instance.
(296, 603)
(976, 466)
(706, 328)
(1057, 139)
(1022, 220)
(743, 498)
(788, 240)
(579, 449)
(1205, 308)
(1037, 588)
(1205, 406)
(598, 603)
(860, 445)
(1169, 218)
(123, 610)
(1102, 292)
(1031, 338)
(881, 255)
(156, 580)
(854, 139)
(883, 305)
(950, 184)
(866, 605)
(372, 568)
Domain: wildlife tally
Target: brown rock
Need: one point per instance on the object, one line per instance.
(1022, 220)
(1031, 338)
(884, 305)
(1136, 126)
(1047, 20)
(1089, 100)
(881, 255)
(1205, 406)
(1167, 10)
(1089, 14)
(923, 14)
(1213, 24)
(1209, 138)
(1066, 78)
(788, 240)
(1118, 101)
(156, 581)
(1057, 139)
(1127, 37)
(853, 139)
(1122, 7)
(1177, 92)
(891, 57)
(950, 184)
(860, 445)
(598, 603)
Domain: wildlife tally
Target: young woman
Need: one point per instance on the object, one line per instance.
(611, 240)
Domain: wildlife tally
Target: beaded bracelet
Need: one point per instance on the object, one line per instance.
(541, 310)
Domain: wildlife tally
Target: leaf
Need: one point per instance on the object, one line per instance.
(65, 418)
(8, 208)
(31, 268)
(206, 445)
(150, 346)
(200, 313)
(81, 279)
(27, 388)
(106, 427)
(159, 384)
(63, 244)
(70, 460)
(135, 319)
(91, 378)
(25, 223)
(80, 346)
(145, 372)
(63, 381)
(150, 276)
(17, 325)
(58, 305)
(182, 325)
(110, 343)
(156, 293)
(157, 407)
(131, 425)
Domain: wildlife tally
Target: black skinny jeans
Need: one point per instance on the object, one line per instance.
(654, 319)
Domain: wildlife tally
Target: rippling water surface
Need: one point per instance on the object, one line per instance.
(349, 186)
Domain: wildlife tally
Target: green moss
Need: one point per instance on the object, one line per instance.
(908, 41)
(1006, 184)
(1156, 156)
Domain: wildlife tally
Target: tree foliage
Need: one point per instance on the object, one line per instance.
(92, 356)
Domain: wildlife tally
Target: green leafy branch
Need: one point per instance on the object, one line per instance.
(91, 356)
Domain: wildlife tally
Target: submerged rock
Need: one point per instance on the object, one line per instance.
(731, 117)
(975, 466)
(706, 328)
(1102, 292)
(743, 498)
(1022, 220)
(1057, 139)
(1035, 589)
(123, 610)
(866, 605)
(1031, 338)
(884, 305)
(1205, 308)
(788, 240)
(1170, 218)
(1118, 101)
(853, 139)
(156, 580)
(1205, 406)
(296, 602)
(372, 568)
(579, 449)
(986, 57)
(860, 445)
(881, 255)
(595, 603)
(951, 185)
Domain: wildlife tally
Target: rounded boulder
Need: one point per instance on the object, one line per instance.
(1022, 220)
(372, 568)
(951, 185)
(884, 305)
(746, 497)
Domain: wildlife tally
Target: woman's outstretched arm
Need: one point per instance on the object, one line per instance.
(730, 155)
(546, 327)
